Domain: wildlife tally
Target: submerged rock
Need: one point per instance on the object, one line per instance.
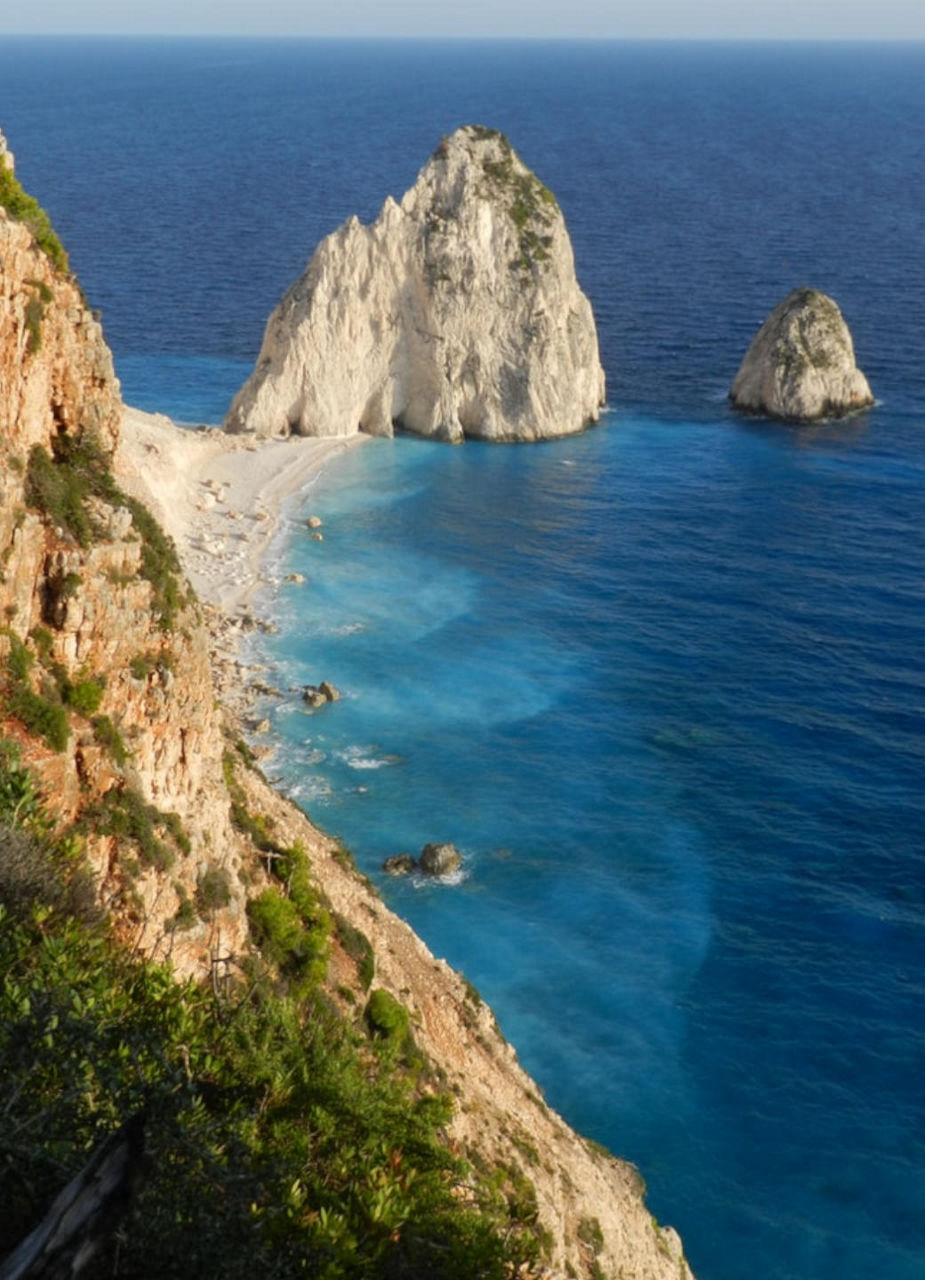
(800, 365)
(401, 864)
(319, 695)
(439, 859)
(455, 314)
(435, 860)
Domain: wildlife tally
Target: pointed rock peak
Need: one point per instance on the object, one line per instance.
(801, 365)
(456, 314)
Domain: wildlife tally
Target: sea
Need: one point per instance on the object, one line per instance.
(663, 683)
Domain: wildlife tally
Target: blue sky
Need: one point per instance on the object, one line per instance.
(678, 19)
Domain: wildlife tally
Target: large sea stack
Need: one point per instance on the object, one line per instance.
(800, 365)
(455, 314)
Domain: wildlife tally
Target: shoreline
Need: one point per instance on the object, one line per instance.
(222, 499)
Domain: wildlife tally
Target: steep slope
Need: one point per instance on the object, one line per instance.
(106, 692)
(104, 669)
(456, 314)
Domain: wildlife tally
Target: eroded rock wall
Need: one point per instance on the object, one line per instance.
(455, 315)
(87, 612)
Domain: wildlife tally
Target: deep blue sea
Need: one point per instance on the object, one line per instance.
(663, 683)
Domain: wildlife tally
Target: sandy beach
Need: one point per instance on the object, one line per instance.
(221, 498)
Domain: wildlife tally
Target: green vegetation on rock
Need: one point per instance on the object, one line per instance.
(27, 210)
(59, 485)
(277, 1143)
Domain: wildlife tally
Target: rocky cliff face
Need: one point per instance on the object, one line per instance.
(800, 365)
(106, 689)
(455, 314)
(104, 671)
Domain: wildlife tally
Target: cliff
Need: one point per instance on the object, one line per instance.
(107, 695)
(800, 365)
(104, 667)
(455, 315)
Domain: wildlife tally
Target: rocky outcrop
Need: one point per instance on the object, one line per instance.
(435, 860)
(105, 682)
(455, 315)
(800, 365)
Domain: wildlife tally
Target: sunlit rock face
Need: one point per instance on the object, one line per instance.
(800, 365)
(456, 314)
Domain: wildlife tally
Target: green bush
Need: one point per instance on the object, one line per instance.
(213, 891)
(40, 716)
(296, 942)
(85, 696)
(185, 916)
(122, 812)
(110, 739)
(359, 948)
(24, 208)
(322, 1160)
(386, 1017)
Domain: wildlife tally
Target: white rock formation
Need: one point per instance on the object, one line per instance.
(7, 160)
(455, 314)
(800, 365)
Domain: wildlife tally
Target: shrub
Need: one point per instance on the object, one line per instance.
(359, 948)
(123, 813)
(213, 891)
(185, 916)
(298, 947)
(40, 716)
(20, 799)
(26, 209)
(84, 696)
(386, 1017)
(110, 739)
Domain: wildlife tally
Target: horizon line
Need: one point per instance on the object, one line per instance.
(455, 37)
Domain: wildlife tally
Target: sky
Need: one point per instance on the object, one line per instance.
(597, 19)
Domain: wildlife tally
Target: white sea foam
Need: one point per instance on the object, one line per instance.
(357, 757)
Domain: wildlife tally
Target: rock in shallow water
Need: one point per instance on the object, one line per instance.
(439, 859)
(800, 365)
(455, 314)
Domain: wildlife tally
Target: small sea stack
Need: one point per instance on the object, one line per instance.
(800, 366)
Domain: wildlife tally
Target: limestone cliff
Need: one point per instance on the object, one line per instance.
(106, 689)
(800, 365)
(104, 670)
(455, 314)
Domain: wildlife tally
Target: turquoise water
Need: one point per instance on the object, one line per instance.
(663, 683)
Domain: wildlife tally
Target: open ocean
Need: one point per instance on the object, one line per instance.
(663, 683)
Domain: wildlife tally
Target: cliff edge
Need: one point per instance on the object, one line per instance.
(800, 365)
(108, 712)
(455, 315)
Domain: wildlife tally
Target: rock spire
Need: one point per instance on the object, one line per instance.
(800, 365)
(455, 314)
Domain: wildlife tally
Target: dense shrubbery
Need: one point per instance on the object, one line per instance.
(278, 1144)
(294, 931)
(41, 713)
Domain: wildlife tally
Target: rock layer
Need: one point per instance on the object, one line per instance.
(455, 314)
(800, 365)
